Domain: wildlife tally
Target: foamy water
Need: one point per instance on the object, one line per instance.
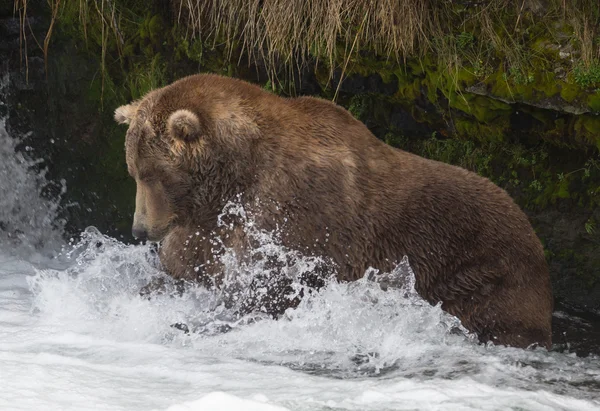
(75, 334)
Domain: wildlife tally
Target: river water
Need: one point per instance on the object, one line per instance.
(75, 334)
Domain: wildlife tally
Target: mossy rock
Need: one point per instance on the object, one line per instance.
(587, 128)
(473, 129)
(593, 101)
(484, 109)
(569, 92)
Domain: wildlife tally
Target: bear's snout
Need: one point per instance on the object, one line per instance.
(139, 233)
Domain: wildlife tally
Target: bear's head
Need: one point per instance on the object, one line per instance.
(187, 148)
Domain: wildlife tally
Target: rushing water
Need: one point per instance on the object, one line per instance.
(75, 334)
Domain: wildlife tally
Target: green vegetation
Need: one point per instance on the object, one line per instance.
(587, 76)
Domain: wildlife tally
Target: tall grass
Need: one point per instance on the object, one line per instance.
(288, 30)
(294, 33)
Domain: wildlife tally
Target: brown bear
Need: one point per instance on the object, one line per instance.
(308, 168)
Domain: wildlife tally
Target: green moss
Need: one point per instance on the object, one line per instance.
(156, 29)
(593, 102)
(563, 189)
(465, 77)
(500, 86)
(587, 128)
(592, 124)
(569, 92)
(152, 31)
(485, 117)
(368, 64)
(416, 66)
(359, 106)
(432, 78)
(543, 45)
(395, 140)
(409, 87)
(191, 49)
(486, 110)
(473, 129)
(545, 84)
(528, 87)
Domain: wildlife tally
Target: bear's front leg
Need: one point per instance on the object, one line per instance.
(192, 254)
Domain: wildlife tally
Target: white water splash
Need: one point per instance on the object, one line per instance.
(350, 346)
(28, 221)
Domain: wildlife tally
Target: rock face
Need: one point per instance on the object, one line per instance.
(533, 129)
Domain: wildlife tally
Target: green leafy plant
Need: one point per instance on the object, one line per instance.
(590, 226)
(465, 40)
(587, 76)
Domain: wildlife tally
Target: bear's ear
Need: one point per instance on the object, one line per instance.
(124, 114)
(184, 125)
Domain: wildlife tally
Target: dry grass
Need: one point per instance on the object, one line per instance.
(587, 32)
(290, 31)
(294, 33)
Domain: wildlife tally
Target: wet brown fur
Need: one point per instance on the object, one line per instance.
(344, 194)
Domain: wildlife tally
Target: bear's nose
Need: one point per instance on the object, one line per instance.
(139, 233)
